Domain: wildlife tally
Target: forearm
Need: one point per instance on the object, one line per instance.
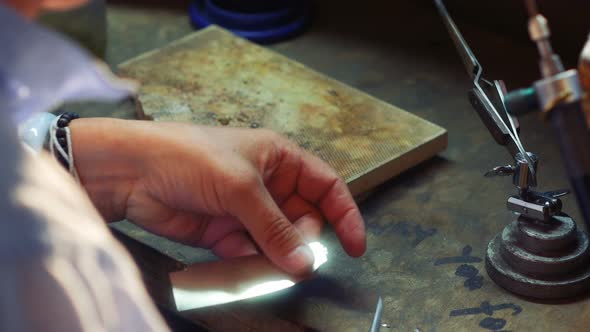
(107, 162)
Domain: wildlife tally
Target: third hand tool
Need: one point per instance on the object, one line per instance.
(541, 254)
(559, 95)
(488, 99)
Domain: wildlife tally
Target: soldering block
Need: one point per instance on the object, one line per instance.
(212, 77)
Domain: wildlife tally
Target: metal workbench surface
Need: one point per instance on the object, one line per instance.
(397, 51)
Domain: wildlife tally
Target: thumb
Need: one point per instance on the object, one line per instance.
(282, 243)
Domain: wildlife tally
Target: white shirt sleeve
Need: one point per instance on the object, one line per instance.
(61, 270)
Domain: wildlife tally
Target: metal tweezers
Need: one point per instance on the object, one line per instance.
(488, 98)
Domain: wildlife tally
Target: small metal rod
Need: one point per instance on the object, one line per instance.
(376, 326)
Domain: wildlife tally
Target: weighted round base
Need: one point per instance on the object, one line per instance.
(541, 260)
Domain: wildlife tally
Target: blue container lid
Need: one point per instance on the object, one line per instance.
(254, 6)
(262, 27)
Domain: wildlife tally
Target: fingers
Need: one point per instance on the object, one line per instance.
(226, 237)
(235, 244)
(319, 184)
(304, 175)
(304, 216)
(278, 238)
(283, 181)
(218, 228)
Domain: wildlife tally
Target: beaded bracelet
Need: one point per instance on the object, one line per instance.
(60, 141)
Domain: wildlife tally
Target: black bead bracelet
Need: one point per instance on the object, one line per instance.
(60, 133)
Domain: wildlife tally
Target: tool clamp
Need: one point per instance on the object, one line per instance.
(541, 254)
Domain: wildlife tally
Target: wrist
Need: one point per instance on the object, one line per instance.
(107, 161)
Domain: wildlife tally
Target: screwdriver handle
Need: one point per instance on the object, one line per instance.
(573, 136)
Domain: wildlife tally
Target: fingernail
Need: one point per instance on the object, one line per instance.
(300, 260)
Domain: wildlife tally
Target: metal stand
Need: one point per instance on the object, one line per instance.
(541, 260)
(542, 254)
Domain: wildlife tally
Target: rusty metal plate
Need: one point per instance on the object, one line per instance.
(214, 78)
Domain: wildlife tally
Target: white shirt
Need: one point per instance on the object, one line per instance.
(60, 268)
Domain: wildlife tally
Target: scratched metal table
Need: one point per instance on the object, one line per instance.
(428, 228)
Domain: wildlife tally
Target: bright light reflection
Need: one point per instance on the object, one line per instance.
(187, 299)
(266, 288)
(320, 254)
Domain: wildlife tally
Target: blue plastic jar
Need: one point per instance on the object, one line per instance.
(261, 21)
(254, 6)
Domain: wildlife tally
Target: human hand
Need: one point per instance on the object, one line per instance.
(216, 188)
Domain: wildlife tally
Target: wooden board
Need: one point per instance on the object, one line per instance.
(214, 78)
